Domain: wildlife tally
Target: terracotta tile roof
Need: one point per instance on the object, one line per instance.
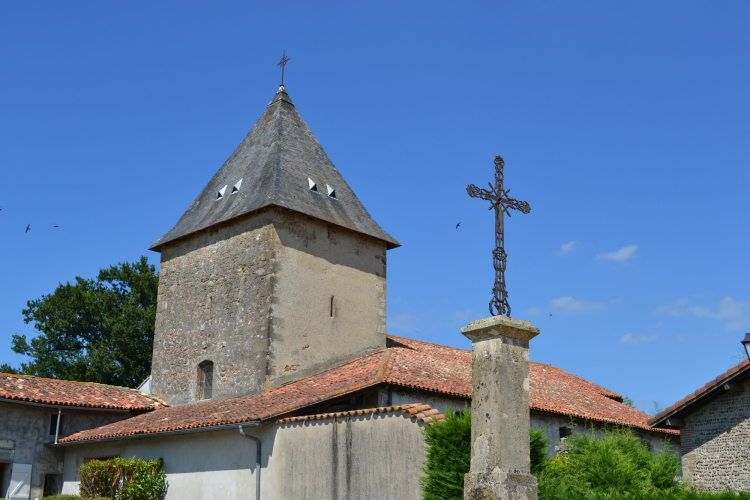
(68, 393)
(418, 411)
(437, 368)
(693, 398)
(406, 363)
(346, 379)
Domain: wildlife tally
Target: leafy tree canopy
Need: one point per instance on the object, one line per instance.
(6, 368)
(94, 330)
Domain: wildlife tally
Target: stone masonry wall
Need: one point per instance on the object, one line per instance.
(213, 301)
(25, 429)
(254, 297)
(716, 444)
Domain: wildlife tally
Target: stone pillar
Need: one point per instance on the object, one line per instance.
(500, 466)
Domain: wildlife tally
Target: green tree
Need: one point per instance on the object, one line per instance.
(6, 368)
(94, 330)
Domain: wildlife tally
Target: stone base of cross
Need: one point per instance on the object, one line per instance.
(500, 421)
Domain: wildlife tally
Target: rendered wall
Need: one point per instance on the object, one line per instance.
(314, 261)
(253, 296)
(372, 456)
(199, 466)
(551, 424)
(25, 430)
(716, 444)
(368, 457)
(395, 397)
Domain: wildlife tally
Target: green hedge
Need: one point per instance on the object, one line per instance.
(449, 455)
(617, 465)
(123, 479)
(70, 497)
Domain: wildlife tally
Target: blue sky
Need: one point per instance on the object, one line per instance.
(623, 124)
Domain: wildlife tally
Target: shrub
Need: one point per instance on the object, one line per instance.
(616, 465)
(70, 497)
(449, 455)
(123, 479)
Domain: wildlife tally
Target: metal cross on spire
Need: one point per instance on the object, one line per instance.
(282, 63)
(498, 197)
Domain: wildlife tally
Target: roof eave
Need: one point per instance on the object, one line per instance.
(689, 406)
(390, 243)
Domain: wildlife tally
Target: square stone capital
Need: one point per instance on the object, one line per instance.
(497, 326)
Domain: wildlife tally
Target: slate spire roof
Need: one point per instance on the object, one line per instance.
(277, 164)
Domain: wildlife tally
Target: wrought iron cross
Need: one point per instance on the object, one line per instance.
(282, 63)
(498, 197)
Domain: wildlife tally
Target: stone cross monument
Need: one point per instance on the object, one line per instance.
(500, 463)
(497, 195)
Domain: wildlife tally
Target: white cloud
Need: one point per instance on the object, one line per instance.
(571, 305)
(641, 339)
(567, 248)
(534, 311)
(624, 253)
(735, 313)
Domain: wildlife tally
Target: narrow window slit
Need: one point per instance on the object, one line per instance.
(205, 382)
(332, 309)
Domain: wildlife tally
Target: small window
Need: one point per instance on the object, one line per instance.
(236, 187)
(565, 432)
(331, 192)
(53, 424)
(221, 192)
(205, 383)
(332, 308)
(313, 186)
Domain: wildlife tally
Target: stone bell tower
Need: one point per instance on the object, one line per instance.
(275, 272)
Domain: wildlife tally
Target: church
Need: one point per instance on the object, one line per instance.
(273, 376)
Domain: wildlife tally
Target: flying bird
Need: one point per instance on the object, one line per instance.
(550, 314)
(56, 225)
(27, 228)
(458, 225)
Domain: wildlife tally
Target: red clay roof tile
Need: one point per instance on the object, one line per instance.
(406, 363)
(68, 393)
(428, 416)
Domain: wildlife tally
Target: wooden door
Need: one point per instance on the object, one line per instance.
(20, 482)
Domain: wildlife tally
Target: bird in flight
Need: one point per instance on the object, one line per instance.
(27, 228)
(56, 225)
(550, 314)
(458, 225)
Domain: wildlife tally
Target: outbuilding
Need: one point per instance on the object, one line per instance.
(714, 425)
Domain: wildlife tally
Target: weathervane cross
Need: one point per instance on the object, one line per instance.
(499, 200)
(282, 63)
